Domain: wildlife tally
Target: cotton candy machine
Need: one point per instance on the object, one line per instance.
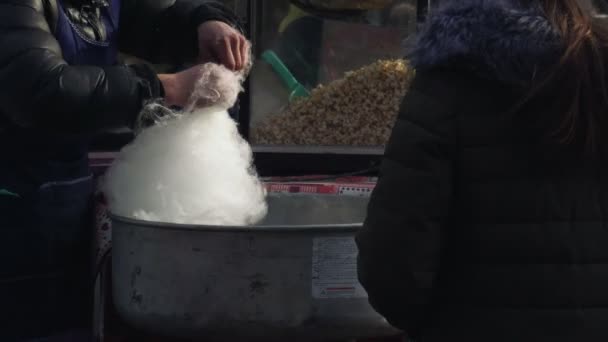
(291, 278)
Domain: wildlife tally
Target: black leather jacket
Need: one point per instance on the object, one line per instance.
(39, 89)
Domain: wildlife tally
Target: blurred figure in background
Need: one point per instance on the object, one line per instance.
(299, 45)
(60, 84)
(489, 220)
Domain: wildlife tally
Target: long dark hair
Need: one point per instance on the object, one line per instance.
(576, 88)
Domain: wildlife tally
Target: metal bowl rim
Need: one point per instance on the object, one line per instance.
(348, 227)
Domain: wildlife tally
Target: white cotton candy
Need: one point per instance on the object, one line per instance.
(191, 168)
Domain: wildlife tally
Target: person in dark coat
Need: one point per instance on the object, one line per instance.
(60, 85)
(490, 218)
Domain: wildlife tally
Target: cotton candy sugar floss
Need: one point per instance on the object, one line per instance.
(190, 167)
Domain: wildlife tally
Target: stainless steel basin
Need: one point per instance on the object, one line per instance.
(291, 278)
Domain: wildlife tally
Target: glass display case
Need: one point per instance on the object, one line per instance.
(329, 74)
(327, 81)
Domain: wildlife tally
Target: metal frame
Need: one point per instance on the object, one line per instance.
(295, 161)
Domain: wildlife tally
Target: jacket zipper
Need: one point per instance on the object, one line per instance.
(93, 20)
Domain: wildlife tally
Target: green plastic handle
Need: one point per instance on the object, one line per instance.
(286, 76)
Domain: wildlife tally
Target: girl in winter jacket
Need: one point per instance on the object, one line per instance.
(490, 220)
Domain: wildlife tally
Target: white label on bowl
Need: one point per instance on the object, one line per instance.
(334, 268)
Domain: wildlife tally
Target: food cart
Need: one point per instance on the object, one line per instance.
(318, 108)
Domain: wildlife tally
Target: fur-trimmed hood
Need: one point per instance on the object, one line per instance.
(496, 39)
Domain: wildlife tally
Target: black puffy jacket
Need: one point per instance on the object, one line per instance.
(39, 89)
(479, 230)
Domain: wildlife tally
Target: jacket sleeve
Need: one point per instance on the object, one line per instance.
(165, 31)
(38, 88)
(403, 235)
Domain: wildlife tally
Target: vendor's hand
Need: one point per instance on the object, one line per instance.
(218, 42)
(178, 87)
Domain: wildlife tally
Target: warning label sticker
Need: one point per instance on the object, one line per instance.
(334, 269)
